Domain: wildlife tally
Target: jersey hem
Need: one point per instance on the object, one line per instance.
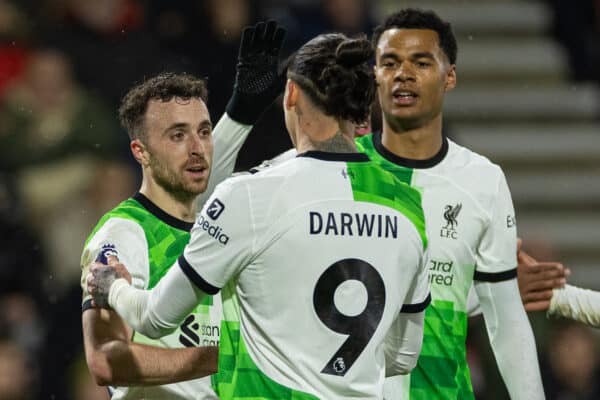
(193, 276)
(416, 308)
(495, 276)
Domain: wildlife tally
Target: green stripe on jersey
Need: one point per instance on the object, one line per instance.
(365, 145)
(442, 371)
(375, 185)
(238, 377)
(165, 243)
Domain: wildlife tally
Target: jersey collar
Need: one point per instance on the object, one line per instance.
(408, 162)
(327, 156)
(162, 215)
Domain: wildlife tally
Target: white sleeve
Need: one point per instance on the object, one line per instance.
(511, 338)
(496, 254)
(222, 239)
(419, 295)
(159, 311)
(473, 306)
(403, 343)
(124, 239)
(575, 303)
(229, 137)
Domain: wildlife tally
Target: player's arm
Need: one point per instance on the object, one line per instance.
(207, 264)
(403, 341)
(154, 313)
(258, 81)
(575, 303)
(473, 306)
(542, 287)
(505, 318)
(114, 360)
(111, 356)
(507, 325)
(537, 280)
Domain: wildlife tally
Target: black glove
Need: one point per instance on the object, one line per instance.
(258, 80)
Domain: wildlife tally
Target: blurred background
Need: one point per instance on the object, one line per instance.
(527, 98)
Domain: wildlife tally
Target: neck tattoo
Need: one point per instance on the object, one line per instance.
(336, 144)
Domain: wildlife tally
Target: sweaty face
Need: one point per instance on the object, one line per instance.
(413, 74)
(179, 145)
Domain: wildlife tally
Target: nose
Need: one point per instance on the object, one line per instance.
(404, 72)
(197, 145)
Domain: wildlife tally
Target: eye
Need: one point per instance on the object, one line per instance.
(177, 136)
(205, 132)
(423, 64)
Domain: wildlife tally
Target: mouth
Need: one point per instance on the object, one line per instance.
(404, 97)
(198, 171)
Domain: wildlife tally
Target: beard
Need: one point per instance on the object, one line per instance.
(172, 182)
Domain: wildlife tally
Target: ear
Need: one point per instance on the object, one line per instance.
(375, 70)
(451, 78)
(291, 95)
(138, 149)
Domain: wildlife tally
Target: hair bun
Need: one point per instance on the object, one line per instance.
(351, 52)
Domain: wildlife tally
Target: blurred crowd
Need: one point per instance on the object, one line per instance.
(64, 160)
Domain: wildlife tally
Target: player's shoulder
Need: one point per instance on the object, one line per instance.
(129, 209)
(115, 226)
(127, 218)
(473, 174)
(470, 171)
(465, 159)
(270, 172)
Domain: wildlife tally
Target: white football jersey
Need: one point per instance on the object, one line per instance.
(148, 241)
(471, 230)
(316, 257)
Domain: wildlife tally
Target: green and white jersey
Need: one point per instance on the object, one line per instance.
(316, 257)
(148, 241)
(472, 236)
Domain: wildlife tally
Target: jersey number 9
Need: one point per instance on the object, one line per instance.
(359, 328)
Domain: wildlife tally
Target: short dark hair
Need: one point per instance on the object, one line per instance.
(414, 18)
(337, 74)
(162, 87)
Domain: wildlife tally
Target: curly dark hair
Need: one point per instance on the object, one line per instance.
(162, 87)
(414, 18)
(336, 73)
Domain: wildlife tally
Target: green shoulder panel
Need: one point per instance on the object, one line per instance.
(373, 184)
(365, 145)
(165, 243)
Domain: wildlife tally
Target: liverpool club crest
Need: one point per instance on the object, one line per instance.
(451, 215)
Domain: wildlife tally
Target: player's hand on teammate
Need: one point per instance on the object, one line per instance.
(259, 78)
(101, 277)
(538, 279)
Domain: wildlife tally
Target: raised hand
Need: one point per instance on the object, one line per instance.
(259, 79)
